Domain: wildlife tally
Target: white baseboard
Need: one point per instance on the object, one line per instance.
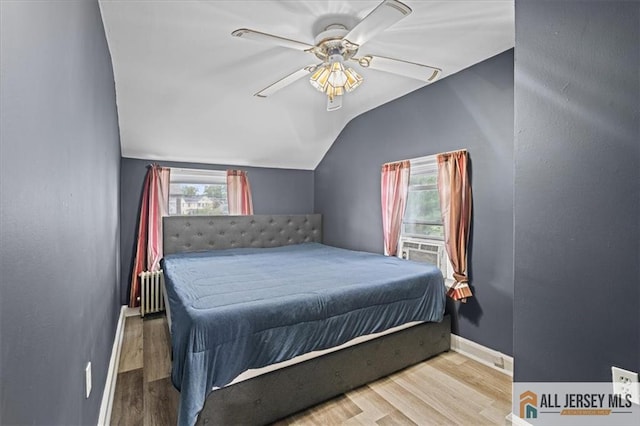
(482, 354)
(112, 374)
(514, 420)
(131, 312)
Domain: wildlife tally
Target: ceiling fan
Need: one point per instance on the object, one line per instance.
(338, 44)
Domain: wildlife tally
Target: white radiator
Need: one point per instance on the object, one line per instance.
(151, 292)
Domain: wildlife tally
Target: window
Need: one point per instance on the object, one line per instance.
(422, 235)
(422, 216)
(198, 192)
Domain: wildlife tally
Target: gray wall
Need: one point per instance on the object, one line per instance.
(59, 177)
(274, 191)
(472, 109)
(577, 197)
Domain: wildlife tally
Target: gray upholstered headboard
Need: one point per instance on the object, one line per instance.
(197, 233)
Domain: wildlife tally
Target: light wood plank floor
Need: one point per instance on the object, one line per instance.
(448, 389)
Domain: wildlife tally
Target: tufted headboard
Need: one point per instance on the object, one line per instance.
(197, 233)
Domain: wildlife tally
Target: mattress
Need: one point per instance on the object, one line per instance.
(239, 309)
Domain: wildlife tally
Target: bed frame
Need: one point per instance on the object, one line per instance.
(301, 385)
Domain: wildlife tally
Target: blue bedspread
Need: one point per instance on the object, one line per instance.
(237, 309)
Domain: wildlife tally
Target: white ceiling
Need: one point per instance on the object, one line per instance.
(185, 86)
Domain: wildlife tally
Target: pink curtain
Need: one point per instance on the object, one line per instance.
(455, 203)
(239, 193)
(394, 190)
(155, 203)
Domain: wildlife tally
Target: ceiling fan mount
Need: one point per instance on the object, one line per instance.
(331, 41)
(335, 45)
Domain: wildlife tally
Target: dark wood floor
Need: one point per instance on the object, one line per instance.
(447, 389)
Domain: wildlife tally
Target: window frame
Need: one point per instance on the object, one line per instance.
(186, 176)
(423, 165)
(427, 165)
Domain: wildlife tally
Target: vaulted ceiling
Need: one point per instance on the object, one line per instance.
(185, 86)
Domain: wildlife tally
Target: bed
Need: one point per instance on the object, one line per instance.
(245, 293)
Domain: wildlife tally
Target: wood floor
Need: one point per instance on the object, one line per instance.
(447, 389)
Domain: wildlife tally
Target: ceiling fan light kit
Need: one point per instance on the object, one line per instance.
(334, 79)
(335, 45)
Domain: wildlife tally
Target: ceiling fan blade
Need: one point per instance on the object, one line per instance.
(382, 17)
(270, 38)
(284, 82)
(397, 66)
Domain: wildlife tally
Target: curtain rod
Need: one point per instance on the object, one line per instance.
(455, 150)
(433, 155)
(430, 155)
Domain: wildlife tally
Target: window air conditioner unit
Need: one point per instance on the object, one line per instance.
(425, 251)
